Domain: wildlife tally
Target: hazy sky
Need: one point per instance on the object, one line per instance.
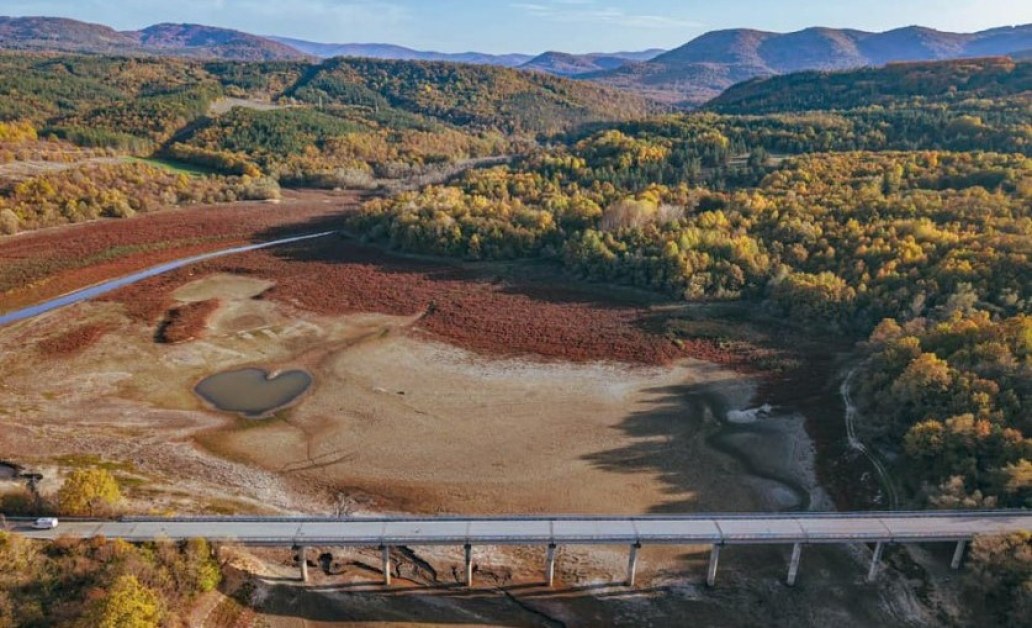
(529, 25)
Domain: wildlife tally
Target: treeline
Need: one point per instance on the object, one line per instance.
(117, 190)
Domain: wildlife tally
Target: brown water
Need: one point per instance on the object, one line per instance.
(251, 392)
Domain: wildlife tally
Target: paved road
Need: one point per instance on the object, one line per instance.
(110, 286)
(680, 530)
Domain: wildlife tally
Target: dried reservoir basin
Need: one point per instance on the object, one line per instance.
(252, 392)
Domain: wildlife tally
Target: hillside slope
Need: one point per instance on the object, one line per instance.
(479, 96)
(706, 66)
(944, 81)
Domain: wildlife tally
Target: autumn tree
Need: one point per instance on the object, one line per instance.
(127, 604)
(88, 492)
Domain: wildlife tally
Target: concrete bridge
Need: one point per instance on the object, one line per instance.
(717, 531)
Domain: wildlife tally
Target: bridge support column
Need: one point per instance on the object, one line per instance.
(302, 559)
(632, 564)
(793, 566)
(872, 573)
(958, 555)
(714, 559)
(469, 565)
(550, 565)
(385, 558)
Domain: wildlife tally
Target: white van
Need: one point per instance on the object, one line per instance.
(45, 523)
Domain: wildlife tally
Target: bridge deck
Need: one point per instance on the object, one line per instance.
(680, 530)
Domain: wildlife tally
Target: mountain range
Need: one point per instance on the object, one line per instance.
(181, 40)
(706, 66)
(689, 75)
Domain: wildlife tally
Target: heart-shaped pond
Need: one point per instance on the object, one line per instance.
(251, 392)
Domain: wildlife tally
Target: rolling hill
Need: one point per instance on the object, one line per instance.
(706, 66)
(181, 40)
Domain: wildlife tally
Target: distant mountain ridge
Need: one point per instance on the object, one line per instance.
(709, 64)
(552, 62)
(180, 40)
(401, 53)
(572, 65)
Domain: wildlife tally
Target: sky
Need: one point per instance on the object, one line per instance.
(529, 26)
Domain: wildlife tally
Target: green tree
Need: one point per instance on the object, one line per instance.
(88, 492)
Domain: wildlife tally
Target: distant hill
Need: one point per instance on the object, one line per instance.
(390, 51)
(52, 33)
(934, 81)
(1022, 55)
(182, 40)
(706, 66)
(566, 64)
(208, 41)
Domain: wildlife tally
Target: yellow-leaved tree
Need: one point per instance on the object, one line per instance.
(128, 604)
(88, 492)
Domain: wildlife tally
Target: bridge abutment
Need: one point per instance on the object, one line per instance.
(469, 564)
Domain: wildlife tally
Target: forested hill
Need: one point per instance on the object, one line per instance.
(482, 96)
(943, 81)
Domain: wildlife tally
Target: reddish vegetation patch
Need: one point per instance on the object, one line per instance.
(187, 322)
(511, 317)
(74, 340)
(43, 264)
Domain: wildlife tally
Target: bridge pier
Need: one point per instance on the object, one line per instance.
(958, 555)
(469, 564)
(302, 558)
(632, 564)
(550, 565)
(793, 566)
(714, 559)
(872, 573)
(385, 558)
